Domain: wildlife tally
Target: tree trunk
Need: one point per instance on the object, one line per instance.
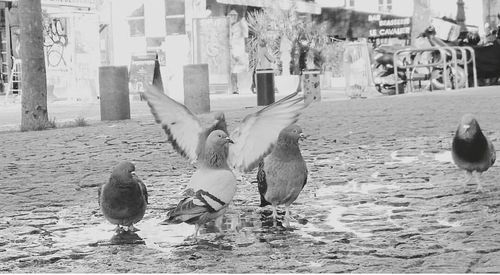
(34, 114)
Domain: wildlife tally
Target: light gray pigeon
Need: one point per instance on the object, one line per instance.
(213, 186)
(209, 201)
(283, 174)
(472, 150)
(124, 197)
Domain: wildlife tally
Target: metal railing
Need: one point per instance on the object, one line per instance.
(455, 65)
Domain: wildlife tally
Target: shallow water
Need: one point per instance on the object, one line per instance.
(401, 158)
(444, 156)
(151, 233)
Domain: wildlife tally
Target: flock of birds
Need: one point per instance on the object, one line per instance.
(268, 138)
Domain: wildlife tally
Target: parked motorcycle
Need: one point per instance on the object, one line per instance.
(383, 70)
(386, 79)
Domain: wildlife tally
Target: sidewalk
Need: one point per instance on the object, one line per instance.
(382, 196)
(65, 111)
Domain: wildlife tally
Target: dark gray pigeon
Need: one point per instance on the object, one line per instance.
(123, 198)
(217, 155)
(472, 150)
(283, 174)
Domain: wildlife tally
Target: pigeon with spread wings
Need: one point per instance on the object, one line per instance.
(217, 154)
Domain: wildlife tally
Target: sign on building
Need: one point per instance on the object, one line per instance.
(144, 71)
(384, 26)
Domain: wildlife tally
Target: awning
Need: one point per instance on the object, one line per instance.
(302, 6)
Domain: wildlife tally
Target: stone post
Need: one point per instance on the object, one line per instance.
(114, 93)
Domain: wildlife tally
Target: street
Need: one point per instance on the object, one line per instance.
(383, 196)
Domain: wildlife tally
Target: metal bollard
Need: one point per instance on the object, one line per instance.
(265, 87)
(311, 86)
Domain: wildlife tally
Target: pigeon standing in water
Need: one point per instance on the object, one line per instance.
(472, 150)
(123, 198)
(283, 174)
(215, 154)
(209, 201)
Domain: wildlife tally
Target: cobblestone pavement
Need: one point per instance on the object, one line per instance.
(382, 196)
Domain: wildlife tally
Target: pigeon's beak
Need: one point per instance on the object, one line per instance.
(302, 136)
(229, 140)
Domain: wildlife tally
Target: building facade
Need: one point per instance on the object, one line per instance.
(477, 13)
(178, 32)
(71, 46)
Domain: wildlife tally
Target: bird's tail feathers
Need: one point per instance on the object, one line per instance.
(186, 211)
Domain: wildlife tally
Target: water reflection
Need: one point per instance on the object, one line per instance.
(443, 156)
(242, 226)
(401, 158)
(150, 233)
(126, 237)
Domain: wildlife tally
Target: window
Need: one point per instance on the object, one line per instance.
(136, 22)
(385, 5)
(175, 21)
(349, 4)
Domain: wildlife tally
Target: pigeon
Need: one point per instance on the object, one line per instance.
(283, 174)
(217, 155)
(472, 150)
(123, 198)
(209, 201)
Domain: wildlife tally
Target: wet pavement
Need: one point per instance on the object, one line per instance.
(383, 195)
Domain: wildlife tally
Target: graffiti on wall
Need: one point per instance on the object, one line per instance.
(56, 40)
(212, 46)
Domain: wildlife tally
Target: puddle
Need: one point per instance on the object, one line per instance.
(399, 159)
(315, 264)
(252, 226)
(353, 186)
(443, 157)
(349, 219)
(334, 220)
(152, 234)
(324, 161)
(450, 224)
(369, 187)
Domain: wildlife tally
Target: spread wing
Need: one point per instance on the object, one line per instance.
(184, 130)
(258, 132)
